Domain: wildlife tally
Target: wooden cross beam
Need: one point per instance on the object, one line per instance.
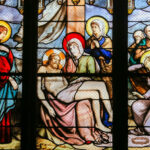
(76, 17)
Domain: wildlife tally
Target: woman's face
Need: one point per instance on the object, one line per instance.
(95, 29)
(2, 35)
(74, 49)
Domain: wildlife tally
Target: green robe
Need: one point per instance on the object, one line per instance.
(86, 65)
(132, 60)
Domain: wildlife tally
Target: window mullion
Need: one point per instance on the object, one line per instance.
(29, 74)
(120, 130)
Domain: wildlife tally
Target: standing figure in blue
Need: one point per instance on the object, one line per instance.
(99, 45)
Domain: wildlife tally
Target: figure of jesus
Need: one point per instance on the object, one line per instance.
(69, 92)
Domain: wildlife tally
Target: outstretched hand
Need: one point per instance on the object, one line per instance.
(137, 94)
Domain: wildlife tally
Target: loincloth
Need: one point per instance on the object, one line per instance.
(68, 94)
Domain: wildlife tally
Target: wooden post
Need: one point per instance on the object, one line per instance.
(76, 17)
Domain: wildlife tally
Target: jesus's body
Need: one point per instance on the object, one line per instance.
(78, 90)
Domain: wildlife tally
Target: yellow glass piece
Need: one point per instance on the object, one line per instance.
(144, 56)
(110, 10)
(130, 11)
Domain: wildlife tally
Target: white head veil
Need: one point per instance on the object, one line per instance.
(101, 25)
(78, 42)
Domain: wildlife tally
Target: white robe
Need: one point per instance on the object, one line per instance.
(52, 23)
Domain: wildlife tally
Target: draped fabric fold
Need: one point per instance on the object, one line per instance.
(69, 118)
(7, 95)
(52, 23)
(6, 61)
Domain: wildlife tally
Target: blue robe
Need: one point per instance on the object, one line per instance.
(108, 56)
(100, 52)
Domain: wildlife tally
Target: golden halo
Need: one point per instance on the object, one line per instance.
(6, 25)
(88, 24)
(55, 51)
(144, 56)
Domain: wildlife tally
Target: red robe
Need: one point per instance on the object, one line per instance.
(5, 67)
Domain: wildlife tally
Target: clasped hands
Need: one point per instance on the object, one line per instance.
(95, 44)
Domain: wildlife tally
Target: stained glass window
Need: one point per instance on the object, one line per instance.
(10, 75)
(66, 66)
(74, 83)
(138, 81)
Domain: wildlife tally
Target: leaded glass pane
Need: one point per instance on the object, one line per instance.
(10, 74)
(74, 80)
(138, 82)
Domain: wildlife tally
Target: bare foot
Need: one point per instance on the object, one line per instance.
(136, 131)
(104, 136)
(100, 137)
(102, 127)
